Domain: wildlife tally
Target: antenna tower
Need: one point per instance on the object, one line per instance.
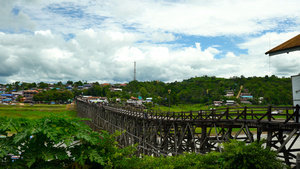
(134, 72)
(269, 55)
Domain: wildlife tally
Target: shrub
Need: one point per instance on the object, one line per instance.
(238, 155)
(57, 142)
(235, 155)
(60, 142)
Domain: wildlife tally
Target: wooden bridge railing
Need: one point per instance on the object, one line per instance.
(270, 114)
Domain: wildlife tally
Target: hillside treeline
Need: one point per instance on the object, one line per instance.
(205, 90)
(197, 90)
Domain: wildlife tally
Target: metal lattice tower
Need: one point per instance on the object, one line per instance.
(134, 72)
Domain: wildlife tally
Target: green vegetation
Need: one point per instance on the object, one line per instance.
(60, 142)
(199, 90)
(184, 107)
(57, 142)
(36, 111)
(236, 155)
(203, 90)
(53, 95)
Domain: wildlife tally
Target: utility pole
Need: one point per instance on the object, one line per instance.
(169, 99)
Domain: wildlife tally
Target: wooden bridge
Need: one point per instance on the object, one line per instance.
(172, 133)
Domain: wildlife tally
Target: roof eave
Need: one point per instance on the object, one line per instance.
(277, 52)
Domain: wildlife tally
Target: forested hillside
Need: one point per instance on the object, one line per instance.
(205, 90)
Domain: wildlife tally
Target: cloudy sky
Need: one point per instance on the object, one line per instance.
(99, 40)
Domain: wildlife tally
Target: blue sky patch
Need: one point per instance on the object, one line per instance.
(68, 36)
(66, 10)
(15, 11)
(222, 43)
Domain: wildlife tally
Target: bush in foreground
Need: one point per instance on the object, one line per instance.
(235, 155)
(238, 155)
(60, 142)
(57, 142)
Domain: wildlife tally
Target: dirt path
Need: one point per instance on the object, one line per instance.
(239, 92)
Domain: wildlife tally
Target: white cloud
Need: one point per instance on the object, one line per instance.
(43, 33)
(100, 40)
(205, 18)
(281, 65)
(162, 37)
(230, 55)
(97, 56)
(13, 18)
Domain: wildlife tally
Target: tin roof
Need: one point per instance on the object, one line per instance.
(286, 47)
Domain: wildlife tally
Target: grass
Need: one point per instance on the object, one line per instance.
(197, 107)
(36, 111)
(183, 107)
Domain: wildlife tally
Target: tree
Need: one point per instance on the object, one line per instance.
(105, 91)
(9, 88)
(39, 96)
(66, 95)
(237, 154)
(58, 142)
(95, 91)
(31, 85)
(17, 85)
(96, 84)
(43, 85)
(51, 95)
(69, 82)
(76, 92)
(59, 83)
(79, 83)
(143, 92)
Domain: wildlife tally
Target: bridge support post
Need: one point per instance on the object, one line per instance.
(298, 161)
(285, 153)
(228, 134)
(165, 142)
(259, 132)
(269, 139)
(203, 139)
(189, 138)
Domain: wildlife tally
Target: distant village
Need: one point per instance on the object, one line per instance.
(244, 98)
(12, 94)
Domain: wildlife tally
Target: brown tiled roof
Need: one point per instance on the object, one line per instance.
(133, 98)
(290, 45)
(30, 91)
